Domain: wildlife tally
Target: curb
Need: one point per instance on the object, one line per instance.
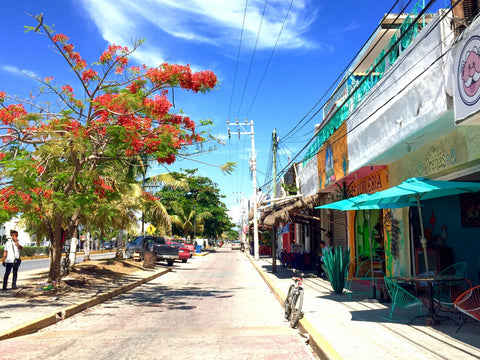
(318, 343)
(52, 318)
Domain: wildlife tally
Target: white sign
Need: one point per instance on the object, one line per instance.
(466, 82)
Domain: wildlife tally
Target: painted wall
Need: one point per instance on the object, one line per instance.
(465, 241)
(333, 158)
(442, 156)
(409, 98)
(458, 150)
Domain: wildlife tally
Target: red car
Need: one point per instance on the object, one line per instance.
(190, 247)
(183, 251)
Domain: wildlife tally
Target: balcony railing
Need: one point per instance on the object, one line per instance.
(354, 88)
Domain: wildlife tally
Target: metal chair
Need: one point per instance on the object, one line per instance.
(469, 304)
(445, 293)
(402, 299)
(365, 270)
(459, 269)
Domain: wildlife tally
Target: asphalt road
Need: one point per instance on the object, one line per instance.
(212, 307)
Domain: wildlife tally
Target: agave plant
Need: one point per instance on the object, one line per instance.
(335, 265)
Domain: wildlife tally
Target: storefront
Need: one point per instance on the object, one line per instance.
(452, 223)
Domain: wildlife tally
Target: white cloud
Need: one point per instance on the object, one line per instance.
(17, 71)
(213, 22)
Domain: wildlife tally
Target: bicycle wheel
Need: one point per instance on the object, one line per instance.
(287, 304)
(297, 309)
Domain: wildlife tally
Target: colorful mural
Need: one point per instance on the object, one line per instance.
(333, 158)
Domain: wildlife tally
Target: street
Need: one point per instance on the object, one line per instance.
(213, 307)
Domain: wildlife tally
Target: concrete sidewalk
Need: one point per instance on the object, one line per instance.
(339, 328)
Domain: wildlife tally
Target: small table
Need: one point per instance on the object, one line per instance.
(431, 318)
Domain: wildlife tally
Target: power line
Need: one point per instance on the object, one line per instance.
(299, 125)
(270, 59)
(400, 91)
(253, 57)
(238, 57)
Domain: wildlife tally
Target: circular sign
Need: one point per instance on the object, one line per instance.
(468, 75)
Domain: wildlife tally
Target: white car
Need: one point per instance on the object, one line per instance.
(236, 245)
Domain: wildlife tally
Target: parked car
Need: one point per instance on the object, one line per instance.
(141, 244)
(236, 245)
(164, 251)
(108, 245)
(190, 247)
(183, 252)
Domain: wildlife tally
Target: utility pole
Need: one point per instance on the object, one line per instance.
(243, 130)
(274, 196)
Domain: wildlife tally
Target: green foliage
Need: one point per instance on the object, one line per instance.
(290, 189)
(335, 265)
(211, 214)
(31, 250)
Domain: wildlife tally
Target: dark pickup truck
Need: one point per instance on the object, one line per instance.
(164, 251)
(155, 244)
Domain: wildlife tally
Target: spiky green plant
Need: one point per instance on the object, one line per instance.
(335, 265)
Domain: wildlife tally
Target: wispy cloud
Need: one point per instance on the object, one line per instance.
(213, 22)
(17, 71)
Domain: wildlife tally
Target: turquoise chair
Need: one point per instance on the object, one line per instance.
(459, 269)
(401, 299)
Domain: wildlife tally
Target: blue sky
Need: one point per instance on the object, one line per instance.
(276, 81)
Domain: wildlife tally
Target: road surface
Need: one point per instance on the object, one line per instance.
(212, 307)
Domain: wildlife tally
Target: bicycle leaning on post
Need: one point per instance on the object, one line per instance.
(294, 301)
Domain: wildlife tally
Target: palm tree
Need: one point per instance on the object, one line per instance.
(186, 218)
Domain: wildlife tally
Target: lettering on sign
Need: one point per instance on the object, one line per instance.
(370, 184)
(435, 162)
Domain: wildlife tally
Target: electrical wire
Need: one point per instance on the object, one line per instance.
(238, 58)
(253, 57)
(299, 124)
(401, 90)
(269, 60)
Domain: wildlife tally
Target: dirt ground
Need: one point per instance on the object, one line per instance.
(85, 275)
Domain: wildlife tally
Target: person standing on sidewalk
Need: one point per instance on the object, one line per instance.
(11, 259)
(319, 261)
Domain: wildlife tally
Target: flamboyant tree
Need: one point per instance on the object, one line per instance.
(56, 156)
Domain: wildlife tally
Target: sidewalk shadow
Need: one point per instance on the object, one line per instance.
(468, 334)
(287, 273)
(342, 298)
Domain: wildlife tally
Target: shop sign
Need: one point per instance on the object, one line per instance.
(466, 66)
(369, 184)
(435, 162)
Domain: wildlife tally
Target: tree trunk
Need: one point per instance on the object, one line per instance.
(73, 251)
(120, 245)
(86, 247)
(54, 273)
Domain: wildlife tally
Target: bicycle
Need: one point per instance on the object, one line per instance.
(294, 301)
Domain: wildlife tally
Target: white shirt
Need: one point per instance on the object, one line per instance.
(12, 251)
